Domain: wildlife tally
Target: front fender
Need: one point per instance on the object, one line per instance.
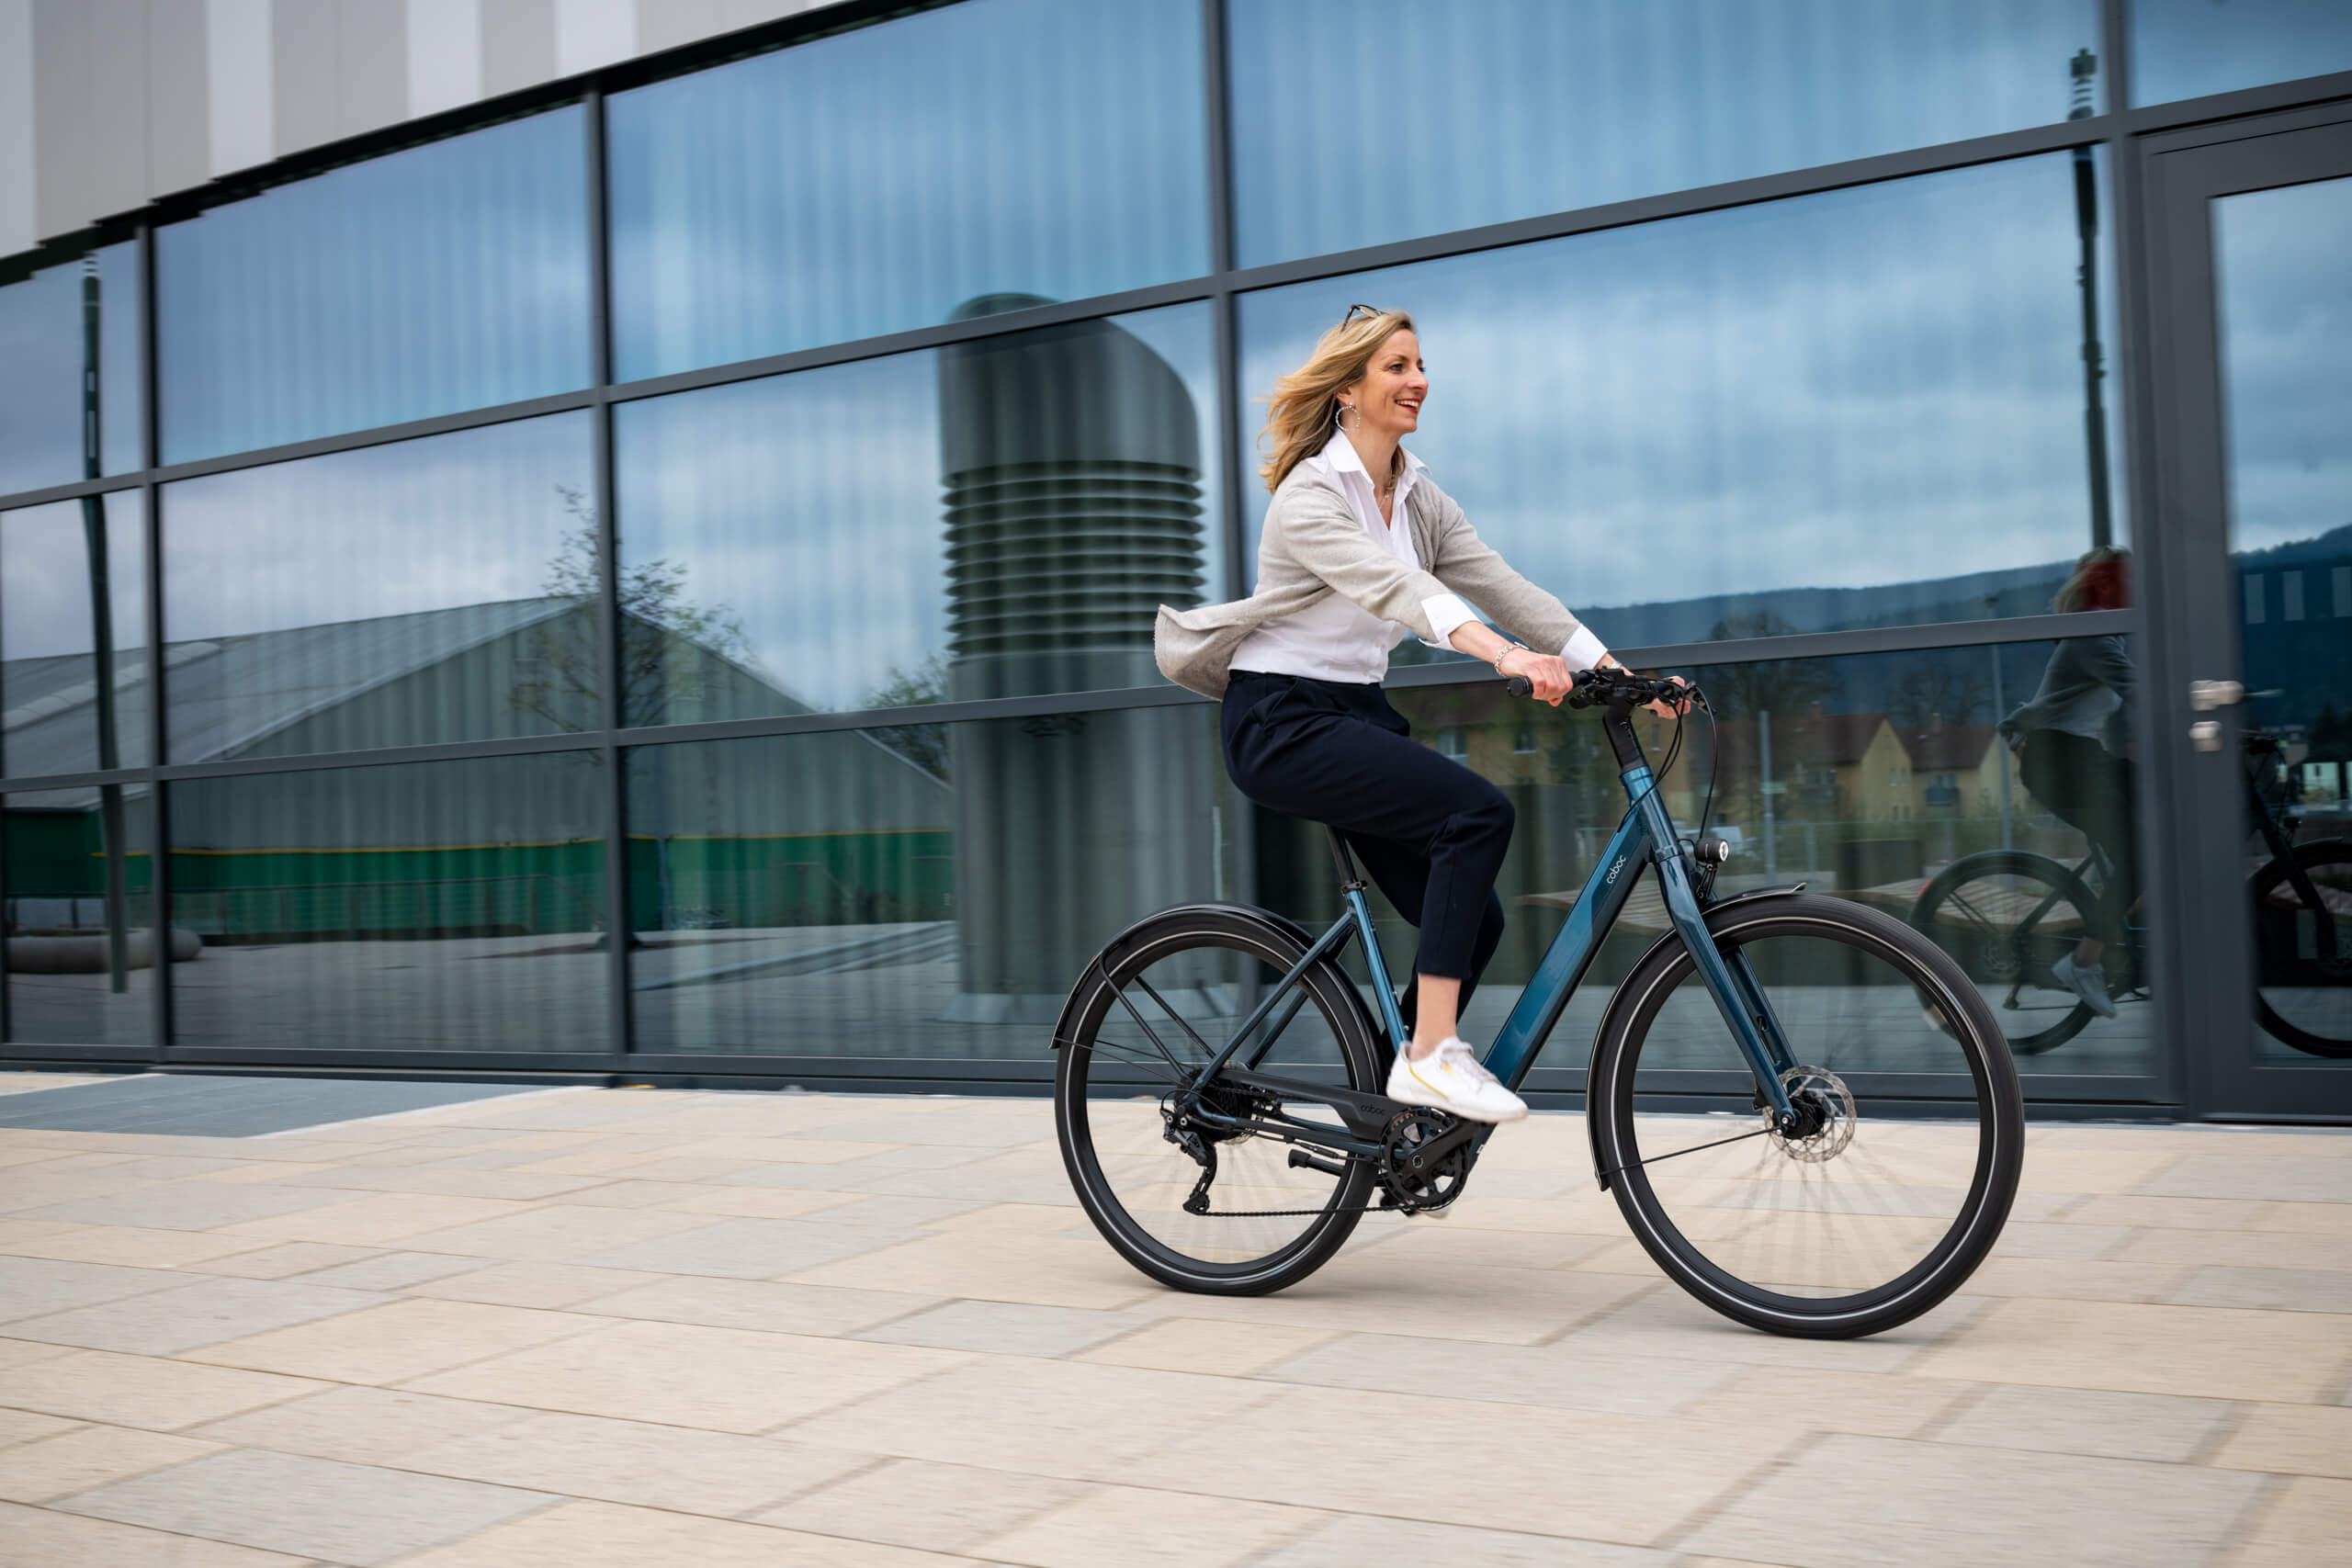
(1609, 1014)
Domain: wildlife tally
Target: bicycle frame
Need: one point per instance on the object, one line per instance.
(1647, 833)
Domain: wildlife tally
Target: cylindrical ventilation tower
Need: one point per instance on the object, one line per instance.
(1072, 460)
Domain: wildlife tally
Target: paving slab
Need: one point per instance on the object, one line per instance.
(729, 1329)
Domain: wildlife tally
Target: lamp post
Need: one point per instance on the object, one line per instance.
(2085, 68)
(93, 537)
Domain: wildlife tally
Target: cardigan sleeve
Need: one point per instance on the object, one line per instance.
(1467, 563)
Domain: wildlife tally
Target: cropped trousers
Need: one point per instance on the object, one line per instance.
(1431, 833)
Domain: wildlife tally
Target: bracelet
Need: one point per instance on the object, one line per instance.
(1506, 653)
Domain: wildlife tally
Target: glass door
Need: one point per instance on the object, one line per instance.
(2255, 495)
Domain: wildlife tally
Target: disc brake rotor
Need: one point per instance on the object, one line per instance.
(1825, 1122)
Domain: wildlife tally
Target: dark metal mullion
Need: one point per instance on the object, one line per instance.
(611, 653)
(151, 516)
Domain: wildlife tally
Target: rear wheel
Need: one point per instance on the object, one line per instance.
(1883, 1199)
(1143, 1021)
(2005, 916)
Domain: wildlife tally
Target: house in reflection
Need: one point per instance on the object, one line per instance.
(518, 849)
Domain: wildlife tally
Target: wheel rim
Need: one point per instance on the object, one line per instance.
(1192, 990)
(1843, 1219)
(2304, 979)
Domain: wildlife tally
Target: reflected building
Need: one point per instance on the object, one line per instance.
(1071, 457)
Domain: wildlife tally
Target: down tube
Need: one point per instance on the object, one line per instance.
(1572, 951)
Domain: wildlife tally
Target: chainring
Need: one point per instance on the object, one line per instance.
(1413, 1182)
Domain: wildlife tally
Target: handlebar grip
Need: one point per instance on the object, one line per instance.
(1519, 686)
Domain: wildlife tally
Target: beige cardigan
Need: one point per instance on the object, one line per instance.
(1313, 545)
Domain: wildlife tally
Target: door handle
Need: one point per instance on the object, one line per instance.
(2206, 696)
(2206, 735)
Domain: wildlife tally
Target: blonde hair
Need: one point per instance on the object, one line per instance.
(1300, 414)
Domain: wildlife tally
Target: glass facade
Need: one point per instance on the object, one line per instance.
(74, 678)
(70, 335)
(417, 907)
(2185, 48)
(451, 276)
(1863, 408)
(409, 595)
(827, 682)
(1486, 110)
(968, 160)
(997, 518)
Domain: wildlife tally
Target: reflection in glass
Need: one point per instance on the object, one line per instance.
(1518, 108)
(2185, 49)
(422, 907)
(1860, 407)
(997, 518)
(451, 276)
(877, 180)
(2285, 307)
(74, 677)
(1882, 778)
(923, 890)
(81, 916)
(56, 325)
(401, 595)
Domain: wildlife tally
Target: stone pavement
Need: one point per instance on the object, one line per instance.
(588, 1328)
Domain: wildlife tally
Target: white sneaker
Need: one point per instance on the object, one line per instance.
(1450, 1078)
(2088, 981)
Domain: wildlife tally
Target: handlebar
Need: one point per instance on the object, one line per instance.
(1595, 688)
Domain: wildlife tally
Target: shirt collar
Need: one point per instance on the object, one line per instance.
(1339, 456)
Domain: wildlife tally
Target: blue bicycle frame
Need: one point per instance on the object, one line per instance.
(1647, 833)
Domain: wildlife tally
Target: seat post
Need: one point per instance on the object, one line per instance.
(1349, 881)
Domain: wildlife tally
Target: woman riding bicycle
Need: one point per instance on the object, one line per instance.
(1360, 547)
(2059, 738)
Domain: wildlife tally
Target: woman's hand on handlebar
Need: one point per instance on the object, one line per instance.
(1663, 708)
(1548, 673)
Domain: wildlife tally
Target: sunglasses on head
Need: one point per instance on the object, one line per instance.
(1367, 309)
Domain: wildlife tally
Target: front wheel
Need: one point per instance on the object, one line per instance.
(2304, 985)
(1897, 1180)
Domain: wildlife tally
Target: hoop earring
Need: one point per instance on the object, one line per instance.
(1346, 408)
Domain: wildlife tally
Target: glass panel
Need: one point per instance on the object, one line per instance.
(60, 565)
(1361, 121)
(422, 907)
(976, 158)
(929, 890)
(399, 595)
(2286, 313)
(1861, 408)
(2185, 49)
(1881, 778)
(46, 317)
(998, 518)
(81, 916)
(447, 277)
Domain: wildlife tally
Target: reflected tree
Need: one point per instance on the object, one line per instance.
(676, 656)
(1782, 686)
(924, 745)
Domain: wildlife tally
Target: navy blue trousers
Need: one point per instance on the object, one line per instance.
(1431, 833)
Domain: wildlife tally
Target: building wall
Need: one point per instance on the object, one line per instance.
(106, 105)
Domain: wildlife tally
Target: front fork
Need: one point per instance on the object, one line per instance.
(1747, 1012)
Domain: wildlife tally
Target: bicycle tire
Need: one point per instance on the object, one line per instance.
(2004, 958)
(1992, 1178)
(2273, 933)
(1254, 936)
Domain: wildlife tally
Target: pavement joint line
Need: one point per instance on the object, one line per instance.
(1969, 1398)
(2247, 1521)
(1756, 1475)
(418, 1110)
(2226, 1429)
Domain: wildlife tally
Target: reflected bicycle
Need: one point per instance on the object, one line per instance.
(1853, 1154)
(2005, 916)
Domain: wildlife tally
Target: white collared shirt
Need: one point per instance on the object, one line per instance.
(1337, 639)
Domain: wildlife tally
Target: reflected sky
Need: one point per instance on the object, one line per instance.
(1359, 122)
(40, 391)
(1712, 415)
(809, 508)
(2185, 49)
(876, 181)
(451, 276)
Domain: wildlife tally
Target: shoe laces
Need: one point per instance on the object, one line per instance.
(1458, 1050)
